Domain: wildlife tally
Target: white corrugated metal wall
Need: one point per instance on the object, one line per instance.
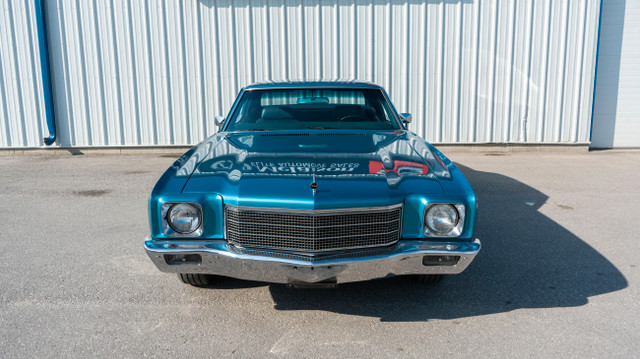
(22, 122)
(157, 72)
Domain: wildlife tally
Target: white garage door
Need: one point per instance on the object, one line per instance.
(616, 120)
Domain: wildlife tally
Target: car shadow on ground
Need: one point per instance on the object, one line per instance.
(527, 261)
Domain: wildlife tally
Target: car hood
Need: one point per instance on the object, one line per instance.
(281, 169)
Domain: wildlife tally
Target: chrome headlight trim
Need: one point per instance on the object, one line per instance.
(458, 227)
(170, 231)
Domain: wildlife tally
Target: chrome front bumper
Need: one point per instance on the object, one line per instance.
(215, 257)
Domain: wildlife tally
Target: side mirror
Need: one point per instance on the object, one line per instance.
(219, 121)
(406, 117)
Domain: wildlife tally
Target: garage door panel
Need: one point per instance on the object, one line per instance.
(604, 126)
(616, 114)
(607, 100)
(627, 131)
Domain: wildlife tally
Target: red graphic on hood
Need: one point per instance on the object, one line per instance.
(400, 168)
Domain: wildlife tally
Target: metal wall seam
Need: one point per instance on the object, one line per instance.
(129, 73)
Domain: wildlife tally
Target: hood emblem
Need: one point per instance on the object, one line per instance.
(314, 185)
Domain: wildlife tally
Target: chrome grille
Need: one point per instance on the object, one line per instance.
(313, 231)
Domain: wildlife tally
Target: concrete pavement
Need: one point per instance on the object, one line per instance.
(558, 275)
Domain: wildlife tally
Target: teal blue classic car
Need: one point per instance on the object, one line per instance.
(312, 183)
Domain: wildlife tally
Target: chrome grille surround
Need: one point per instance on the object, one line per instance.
(313, 231)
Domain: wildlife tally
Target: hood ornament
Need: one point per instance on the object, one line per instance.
(314, 185)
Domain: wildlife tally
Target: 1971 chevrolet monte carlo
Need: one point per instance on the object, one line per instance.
(312, 183)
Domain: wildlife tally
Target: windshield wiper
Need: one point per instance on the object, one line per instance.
(320, 128)
(251, 130)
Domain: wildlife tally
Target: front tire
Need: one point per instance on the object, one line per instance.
(197, 279)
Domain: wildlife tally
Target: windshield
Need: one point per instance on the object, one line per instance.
(322, 109)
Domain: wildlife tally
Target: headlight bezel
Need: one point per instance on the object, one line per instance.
(169, 230)
(457, 229)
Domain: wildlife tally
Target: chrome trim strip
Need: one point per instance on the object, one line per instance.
(313, 212)
(310, 251)
(313, 257)
(218, 259)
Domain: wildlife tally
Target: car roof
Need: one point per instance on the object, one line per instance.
(312, 84)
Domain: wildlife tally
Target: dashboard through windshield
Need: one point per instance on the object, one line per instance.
(321, 109)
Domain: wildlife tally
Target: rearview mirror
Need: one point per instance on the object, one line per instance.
(406, 117)
(219, 121)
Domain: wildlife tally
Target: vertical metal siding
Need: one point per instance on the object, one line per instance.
(22, 117)
(157, 72)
